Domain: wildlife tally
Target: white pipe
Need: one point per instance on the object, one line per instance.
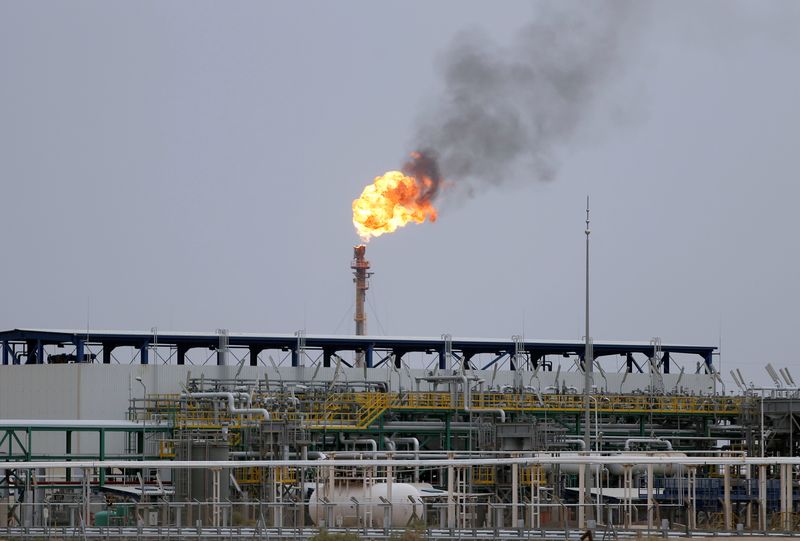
(638, 459)
(647, 440)
(231, 402)
(372, 443)
(413, 441)
(363, 441)
(415, 446)
(578, 442)
(238, 454)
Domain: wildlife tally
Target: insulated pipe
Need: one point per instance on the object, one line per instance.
(581, 443)
(640, 459)
(231, 402)
(349, 455)
(365, 384)
(647, 440)
(364, 441)
(415, 446)
(456, 427)
(413, 441)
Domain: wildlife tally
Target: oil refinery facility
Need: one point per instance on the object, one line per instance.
(147, 434)
(116, 432)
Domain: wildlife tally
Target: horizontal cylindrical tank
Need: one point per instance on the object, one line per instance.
(344, 512)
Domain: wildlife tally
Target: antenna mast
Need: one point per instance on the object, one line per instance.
(588, 362)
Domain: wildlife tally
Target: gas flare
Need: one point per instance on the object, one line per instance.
(397, 198)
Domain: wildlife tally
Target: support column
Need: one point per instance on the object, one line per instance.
(749, 480)
(650, 499)
(368, 356)
(691, 510)
(68, 452)
(330, 486)
(254, 351)
(627, 494)
(762, 497)
(85, 496)
(181, 354)
(451, 503)
(784, 501)
(102, 455)
(108, 349)
(398, 359)
(581, 496)
(79, 350)
(215, 497)
(726, 497)
(144, 351)
(787, 487)
(389, 481)
(535, 509)
(514, 495)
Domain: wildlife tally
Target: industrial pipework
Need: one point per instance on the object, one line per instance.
(467, 392)
(231, 402)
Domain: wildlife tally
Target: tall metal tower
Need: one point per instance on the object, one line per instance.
(361, 276)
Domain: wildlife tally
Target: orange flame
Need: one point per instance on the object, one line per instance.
(392, 201)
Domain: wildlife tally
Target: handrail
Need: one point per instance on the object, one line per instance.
(358, 410)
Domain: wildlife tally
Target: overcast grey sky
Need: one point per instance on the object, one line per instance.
(191, 165)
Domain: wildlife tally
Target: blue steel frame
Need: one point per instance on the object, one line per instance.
(464, 349)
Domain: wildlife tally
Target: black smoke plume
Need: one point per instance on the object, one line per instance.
(507, 112)
(423, 166)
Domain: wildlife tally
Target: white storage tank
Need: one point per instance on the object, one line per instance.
(407, 505)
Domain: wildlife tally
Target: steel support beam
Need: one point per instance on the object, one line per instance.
(79, 345)
(254, 351)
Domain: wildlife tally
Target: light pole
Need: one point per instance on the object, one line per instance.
(597, 466)
(588, 362)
